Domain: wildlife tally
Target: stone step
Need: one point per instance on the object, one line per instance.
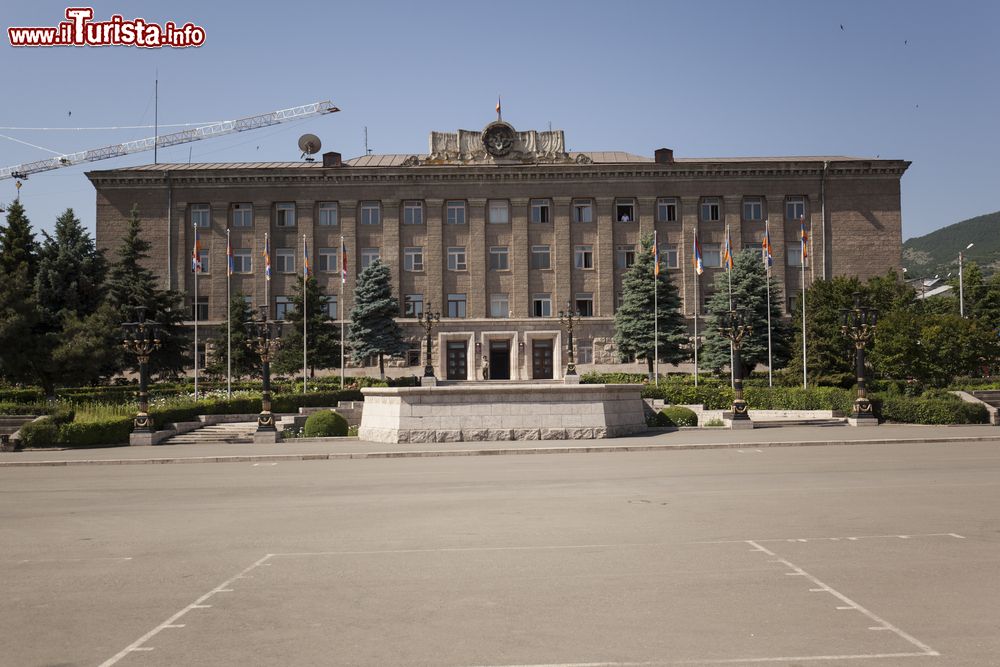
(227, 433)
(836, 421)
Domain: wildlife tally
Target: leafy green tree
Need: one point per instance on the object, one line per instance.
(373, 329)
(749, 281)
(635, 320)
(897, 351)
(71, 271)
(954, 346)
(830, 358)
(323, 343)
(244, 360)
(132, 284)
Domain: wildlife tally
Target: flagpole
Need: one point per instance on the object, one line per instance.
(340, 309)
(267, 274)
(197, 269)
(767, 275)
(697, 258)
(229, 317)
(656, 311)
(729, 275)
(802, 241)
(305, 286)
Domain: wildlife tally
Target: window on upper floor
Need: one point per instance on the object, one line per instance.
(456, 259)
(455, 212)
(327, 260)
(583, 210)
(540, 257)
(456, 305)
(201, 215)
(624, 256)
(371, 213)
(330, 306)
(284, 214)
(711, 255)
(499, 212)
(585, 304)
(499, 305)
(199, 310)
(625, 210)
(583, 257)
(540, 211)
(753, 209)
(413, 212)
(368, 256)
(499, 258)
(541, 305)
(795, 208)
(282, 306)
(242, 260)
(284, 260)
(329, 213)
(242, 215)
(413, 259)
(669, 256)
(711, 209)
(666, 209)
(413, 305)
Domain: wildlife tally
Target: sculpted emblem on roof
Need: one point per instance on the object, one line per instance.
(498, 143)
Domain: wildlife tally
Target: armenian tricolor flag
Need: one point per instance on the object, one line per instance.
(766, 247)
(727, 254)
(656, 256)
(196, 253)
(229, 256)
(805, 238)
(267, 257)
(699, 266)
(305, 259)
(343, 262)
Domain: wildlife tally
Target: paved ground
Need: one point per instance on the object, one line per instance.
(882, 555)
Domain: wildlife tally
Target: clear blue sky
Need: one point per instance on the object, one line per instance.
(902, 79)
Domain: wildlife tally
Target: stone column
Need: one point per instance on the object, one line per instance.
(389, 250)
(476, 258)
(218, 262)
(261, 224)
(605, 252)
(732, 207)
(646, 210)
(563, 254)
(776, 227)
(348, 212)
(434, 255)
(520, 252)
(689, 224)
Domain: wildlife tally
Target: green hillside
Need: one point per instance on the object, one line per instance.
(937, 252)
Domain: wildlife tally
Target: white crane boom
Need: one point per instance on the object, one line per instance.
(164, 140)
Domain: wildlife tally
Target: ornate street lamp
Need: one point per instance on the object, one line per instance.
(567, 318)
(427, 319)
(264, 338)
(734, 326)
(141, 338)
(858, 324)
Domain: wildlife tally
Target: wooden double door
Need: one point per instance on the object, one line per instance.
(541, 358)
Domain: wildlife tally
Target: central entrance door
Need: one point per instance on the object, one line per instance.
(541, 359)
(458, 360)
(499, 360)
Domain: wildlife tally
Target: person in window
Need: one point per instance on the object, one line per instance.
(486, 367)
(624, 217)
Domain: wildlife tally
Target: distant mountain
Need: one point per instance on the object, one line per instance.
(937, 252)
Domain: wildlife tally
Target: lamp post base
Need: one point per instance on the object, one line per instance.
(265, 422)
(862, 414)
(428, 381)
(266, 437)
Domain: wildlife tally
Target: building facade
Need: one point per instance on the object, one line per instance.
(499, 231)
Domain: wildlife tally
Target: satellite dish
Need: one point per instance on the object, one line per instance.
(309, 144)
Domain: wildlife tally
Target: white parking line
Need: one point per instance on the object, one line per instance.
(851, 538)
(927, 650)
(169, 623)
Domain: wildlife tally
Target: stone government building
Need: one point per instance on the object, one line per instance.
(498, 230)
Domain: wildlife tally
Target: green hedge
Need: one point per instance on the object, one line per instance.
(325, 424)
(908, 410)
(676, 415)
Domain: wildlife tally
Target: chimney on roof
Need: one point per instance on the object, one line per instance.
(332, 159)
(663, 156)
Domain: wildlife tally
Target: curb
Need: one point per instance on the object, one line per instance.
(596, 449)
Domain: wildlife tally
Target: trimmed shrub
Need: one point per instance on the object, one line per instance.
(41, 433)
(91, 434)
(907, 410)
(325, 424)
(613, 378)
(676, 415)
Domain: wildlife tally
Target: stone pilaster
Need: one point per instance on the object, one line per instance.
(646, 210)
(261, 226)
(775, 217)
(476, 258)
(732, 212)
(562, 254)
(434, 255)
(389, 247)
(689, 224)
(520, 252)
(349, 228)
(605, 252)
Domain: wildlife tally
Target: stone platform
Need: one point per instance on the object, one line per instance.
(484, 411)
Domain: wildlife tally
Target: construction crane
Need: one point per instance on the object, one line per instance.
(22, 171)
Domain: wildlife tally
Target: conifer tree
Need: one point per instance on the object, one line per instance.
(18, 248)
(323, 344)
(71, 271)
(244, 361)
(373, 329)
(634, 319)
(749, 279)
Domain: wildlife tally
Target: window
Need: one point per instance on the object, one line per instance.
(456, 305)
(282, 306)
(540, 211)
(793, 302)
(624, 256)
(413, 259)
(285, 260)
(201, 215)
(711, 209)
(585, 304)
(753, 209)
(327, 260)
(583, 258)
(499, 258)
(666, 209)
(499, 305)
(541, 305)
(711, 255)
(328, 214)
(284, 214)
(585, 353)
(248, 300)
(413, 212)
(583, 210)
(455, 213)
(499, 212)
(242, 215)
(794, 253)
(413, 355)
(456, 259)
(330, 306)
(625, 210)
(669, 256)
(795, 208)
(202, 260)
(371, 213)
(540, 257)
(242, 260)
(199, 310)
(413, 305)
(368, 255)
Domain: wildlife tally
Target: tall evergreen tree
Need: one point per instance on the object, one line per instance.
(323, 344)
(132, 284)
(18, 248)
(71, 271)
(749, 279)
(23, 346)
(635, 320)
(373, 329)
(244, 361)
